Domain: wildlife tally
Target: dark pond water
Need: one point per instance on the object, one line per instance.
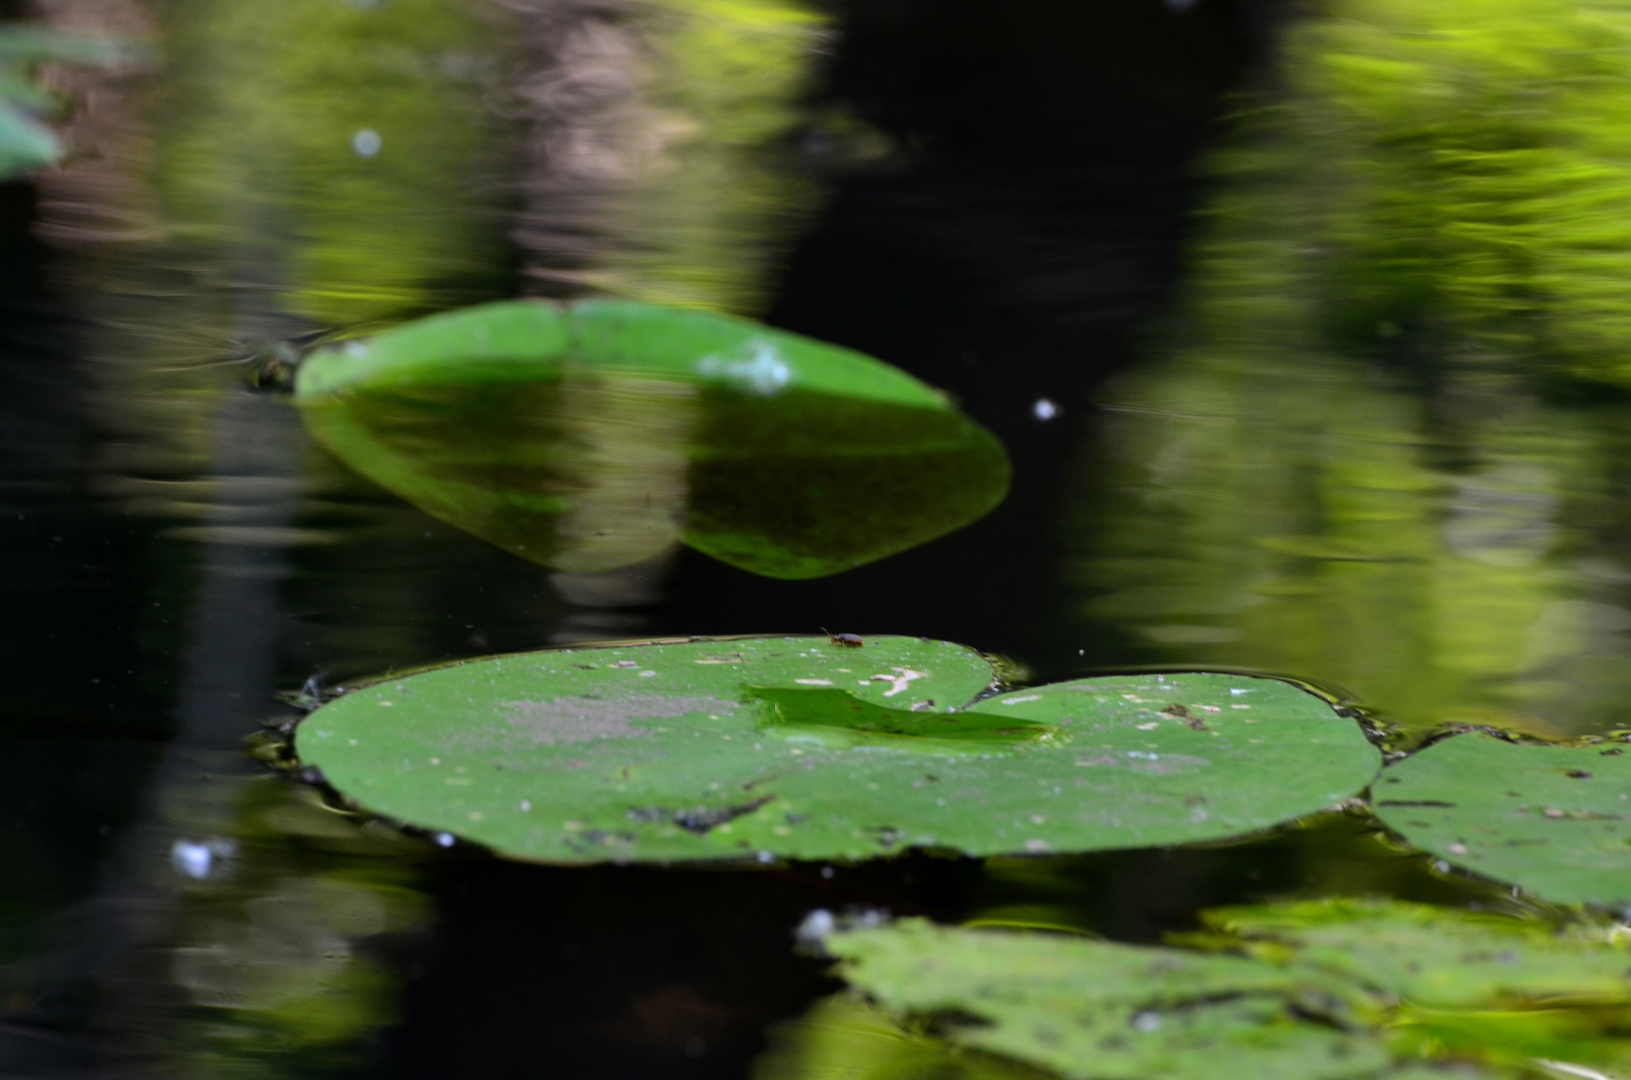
(1005, 200)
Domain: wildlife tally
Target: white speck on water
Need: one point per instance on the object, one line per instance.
(766, 857)
(356, 348)
(1017, 700)
(818, 923)
(813, 682)
(444, 839)
(647, 674)
(1148, 1021)
(198, 859)
(1044, 409)
(1458, 849)
(1237, 691)
(367, 143)
(1036, 846)
(526, 804)
(1142, 754)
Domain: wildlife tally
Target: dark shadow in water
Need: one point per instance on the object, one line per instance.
(1030, 228)
(654, 973)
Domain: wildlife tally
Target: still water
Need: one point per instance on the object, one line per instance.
(1215, 464)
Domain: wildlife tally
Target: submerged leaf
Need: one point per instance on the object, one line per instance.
(1341, 989)
(1554, 820)
(807, 749)
(602, 433)
(1094, 1009)
(1436, 957)
(843, 1038)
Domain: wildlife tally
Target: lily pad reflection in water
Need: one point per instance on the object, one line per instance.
(601, 434)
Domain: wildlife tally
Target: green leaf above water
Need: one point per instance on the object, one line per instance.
(802, 748)
(600, 434)
(1555, 820)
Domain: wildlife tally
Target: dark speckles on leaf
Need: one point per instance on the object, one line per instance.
(699, 820)
(1180, 712)
(1416, 802)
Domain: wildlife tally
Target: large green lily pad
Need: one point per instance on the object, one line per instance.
(804, 748)
(1555, 820)
(599, 434)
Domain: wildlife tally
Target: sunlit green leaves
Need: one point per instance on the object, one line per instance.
(351, 145)
(807, 749)
(601, 434)
(1555, 820)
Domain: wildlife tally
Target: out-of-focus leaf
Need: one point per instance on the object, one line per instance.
(602, 433)
(1096, 1010)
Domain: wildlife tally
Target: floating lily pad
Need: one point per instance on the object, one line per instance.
(1163, 759)
(1555, 820)
(1311, 990)
(1094, 1009)
(1436, 957)
(803, 748)
(599, 434)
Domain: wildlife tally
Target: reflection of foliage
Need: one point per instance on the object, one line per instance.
(25, 143)
(729, 77)
(1460, 172)
(1289, 511)
(1324, 989)
(280, 956)
(662, 166)
(267, 106)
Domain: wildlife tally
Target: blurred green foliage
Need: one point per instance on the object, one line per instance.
(713, 203)
(276, 957)
(1359, 463)
(25, 142)
(1460, 174)
(265, 148)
